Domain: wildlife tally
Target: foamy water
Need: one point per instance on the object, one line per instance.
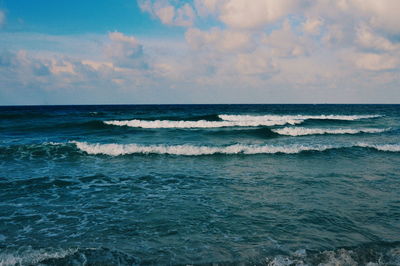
(235, 121)
(302, 131)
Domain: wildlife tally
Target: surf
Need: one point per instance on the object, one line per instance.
(235, 121)
(114, 149)
(198, 124)
(302, 131)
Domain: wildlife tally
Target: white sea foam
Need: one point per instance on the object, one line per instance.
(192, 150)
(293, 117)
(381, 147)
(336, 257)
(200, 123)
(302, 131)
(122, 149)
(234, 121)
(31, 256)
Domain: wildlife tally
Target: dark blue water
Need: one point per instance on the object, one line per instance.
(199, 184)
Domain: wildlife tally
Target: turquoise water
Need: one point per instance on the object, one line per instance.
(199, 184)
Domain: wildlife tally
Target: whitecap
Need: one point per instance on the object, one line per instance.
(234, 121)
(123, 149)
(200, 123)
(294, 117)
(30, 256)
(302, 131)
(114, 149)
(381, 147)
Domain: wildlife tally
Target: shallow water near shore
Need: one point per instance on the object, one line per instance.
(200, 184)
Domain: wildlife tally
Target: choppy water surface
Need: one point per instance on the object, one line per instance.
(198, 184)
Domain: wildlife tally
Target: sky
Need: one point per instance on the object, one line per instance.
(199, 51)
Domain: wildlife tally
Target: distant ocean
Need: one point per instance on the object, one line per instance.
(200, 184)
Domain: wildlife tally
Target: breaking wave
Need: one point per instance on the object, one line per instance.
(381, 147)
(234, 121)
(74, 149)
(71, 256)
(294, 117)
(200, 123)
(302, 131)
(123, 149)
(30, 256)
(367, 254)
(191, 150)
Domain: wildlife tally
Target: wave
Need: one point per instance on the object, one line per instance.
(234, 121)
(381, 147)
(381, 253)
(302, 131)
(294, 117)
(191, 150)
(198, 124)
(70, 256)
(209, 117)
(30, 256)
(123, 149)
(367, 254)
(75, 149)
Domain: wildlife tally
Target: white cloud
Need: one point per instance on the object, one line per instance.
(376, 62)
(125, 51)
(169, 14)
(243, 14)
(382, 14)
(284, 42)
(335, 35)
(184, 16)
(207, 7)
(222, 40)
(366, 38)
(47, 73)
(256, 63)
(166, 14)
(62, 66)
(313, 25)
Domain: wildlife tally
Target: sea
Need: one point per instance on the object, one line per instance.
(200, 185)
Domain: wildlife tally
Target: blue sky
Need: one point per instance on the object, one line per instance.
(199, 51)
(76, 17)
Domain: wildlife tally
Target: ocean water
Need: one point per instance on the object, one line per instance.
(200, 184)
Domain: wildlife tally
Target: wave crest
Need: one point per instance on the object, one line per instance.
(294, 117)
(370, 254)
(302, 131)
(192, 150)
(234, 121)
(72, 149)
(70, 256)
(30, 256)
(381, 147)
(199, 123)
(123, 149)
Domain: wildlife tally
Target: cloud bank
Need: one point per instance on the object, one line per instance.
(231, 51)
